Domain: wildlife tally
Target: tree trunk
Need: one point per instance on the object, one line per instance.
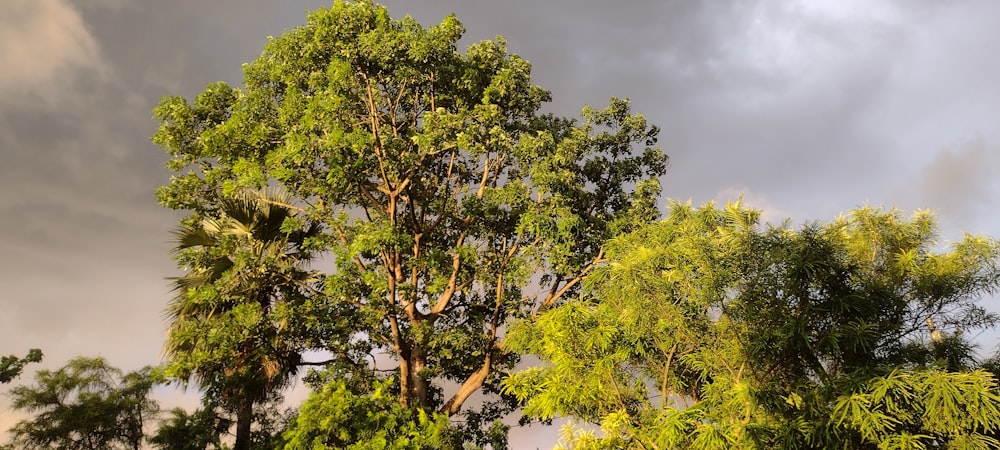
(404, 381)
(244, 418)
(419, 385)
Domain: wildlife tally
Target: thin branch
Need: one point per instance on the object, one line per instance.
(666, 374)
(552, 298)
(485, 179)
(317, 363)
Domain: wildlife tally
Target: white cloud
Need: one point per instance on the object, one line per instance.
(44, 45)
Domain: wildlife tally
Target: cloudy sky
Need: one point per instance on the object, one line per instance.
(806, 108)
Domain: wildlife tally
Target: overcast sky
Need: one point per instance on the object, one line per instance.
(806, 108)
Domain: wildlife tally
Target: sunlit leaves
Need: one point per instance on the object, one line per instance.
(708, 330)
(339, 416)
(919, 408)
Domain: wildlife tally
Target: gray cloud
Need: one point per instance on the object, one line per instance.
(809, 108)
(959, 184)
(764, 94)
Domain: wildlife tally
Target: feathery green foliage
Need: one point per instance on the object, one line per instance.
(707, 330)
(86, 405)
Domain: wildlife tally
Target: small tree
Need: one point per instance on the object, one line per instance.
(709, 331)
(352, 415)
(85, 405)
(199, 430)
(230, 317)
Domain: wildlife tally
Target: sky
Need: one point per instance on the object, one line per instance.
(806, 109)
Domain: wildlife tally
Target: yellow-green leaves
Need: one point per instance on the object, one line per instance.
(708, 330)
(955, 407)
(338, 416)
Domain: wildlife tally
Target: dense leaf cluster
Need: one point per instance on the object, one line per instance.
(11, 366)
(707, 330)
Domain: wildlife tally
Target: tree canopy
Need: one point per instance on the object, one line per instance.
(198, 430)
(439, 189)
(708, 330)
(86, 405)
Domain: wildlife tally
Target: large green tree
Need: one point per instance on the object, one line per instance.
(86, 405)
(708, 330)
(246, 280)
(441, 189)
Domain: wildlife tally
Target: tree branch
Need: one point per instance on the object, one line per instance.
(551, 298)
(470, 386)
(666, 373)
(450, 290)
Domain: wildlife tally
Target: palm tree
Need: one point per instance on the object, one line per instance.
(226, 328)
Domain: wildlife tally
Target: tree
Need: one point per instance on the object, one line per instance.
(229, 317)
(204, 428)
(199, 430)
(355, 416)
(87, 404)
(441, 190)
(11, 366)
(707, 330)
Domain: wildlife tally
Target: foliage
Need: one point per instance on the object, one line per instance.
(229, 318)
(343, 415)
(86, 404)
(11, 366)
(270, 420)
(440, 190)
(199, 430)
(205, 427)
(707, 330)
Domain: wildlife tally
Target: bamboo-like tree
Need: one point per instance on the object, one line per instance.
(229, 320)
